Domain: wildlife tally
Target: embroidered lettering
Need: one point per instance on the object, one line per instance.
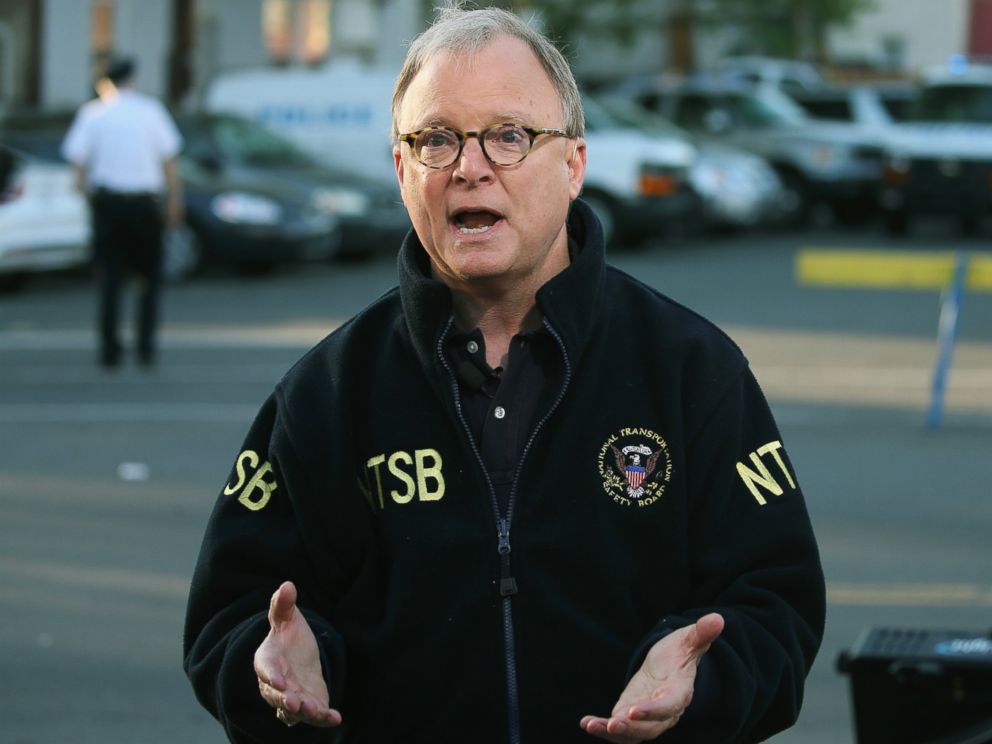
(257, 482)
(411, 487)
(761, 475)
(425, 482)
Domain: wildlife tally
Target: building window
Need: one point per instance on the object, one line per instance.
(297, 31)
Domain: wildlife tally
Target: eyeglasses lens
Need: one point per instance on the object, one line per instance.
(504, 145)
(436, 147)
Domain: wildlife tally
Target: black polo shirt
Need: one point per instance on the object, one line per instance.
(502, 405)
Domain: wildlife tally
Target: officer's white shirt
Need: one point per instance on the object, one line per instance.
(122, 142)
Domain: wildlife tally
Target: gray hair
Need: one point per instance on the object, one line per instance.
(457, 29)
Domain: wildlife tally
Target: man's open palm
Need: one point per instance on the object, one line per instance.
(658, 694)
(288, 665)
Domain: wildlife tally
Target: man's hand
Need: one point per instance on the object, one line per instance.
(175, 210)
(661, 690)
(288, 666)
(175, 206)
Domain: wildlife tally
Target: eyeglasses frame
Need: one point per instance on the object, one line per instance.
(532, 132)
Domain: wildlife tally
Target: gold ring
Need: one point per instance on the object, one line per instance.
(283, 716)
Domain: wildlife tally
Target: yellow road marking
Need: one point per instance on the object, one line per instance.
(890, 269)
(910, 595)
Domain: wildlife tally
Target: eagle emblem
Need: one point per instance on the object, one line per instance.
(635, 465)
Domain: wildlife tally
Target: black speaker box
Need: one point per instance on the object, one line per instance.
(920, 686)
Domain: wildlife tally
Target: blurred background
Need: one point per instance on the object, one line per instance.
(813, 175)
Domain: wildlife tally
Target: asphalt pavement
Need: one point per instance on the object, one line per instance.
(106, 479)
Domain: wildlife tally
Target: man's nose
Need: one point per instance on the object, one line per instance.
(473, 165)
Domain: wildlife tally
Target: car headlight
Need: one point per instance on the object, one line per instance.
(343, 202)
(708, 177)
(243, 208)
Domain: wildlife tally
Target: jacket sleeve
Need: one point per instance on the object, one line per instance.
(754, 559)
(254, 541)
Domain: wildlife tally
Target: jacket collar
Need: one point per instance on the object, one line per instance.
(570, 301)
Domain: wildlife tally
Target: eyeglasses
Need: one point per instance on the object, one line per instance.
(503, 144)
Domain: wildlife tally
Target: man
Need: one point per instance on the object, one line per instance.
(522, 498)
(123, 147)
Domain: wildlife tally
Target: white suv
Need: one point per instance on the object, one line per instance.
(941, 161)
(836, 163)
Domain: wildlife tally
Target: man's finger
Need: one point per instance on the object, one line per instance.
(610, 729)
(702, 634)
(282, 604)
(309, 711)
(270, 695)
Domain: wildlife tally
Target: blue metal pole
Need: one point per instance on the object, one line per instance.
(947, 331)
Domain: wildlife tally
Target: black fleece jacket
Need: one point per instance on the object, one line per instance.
(654, 489)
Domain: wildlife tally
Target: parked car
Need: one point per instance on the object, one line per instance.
(233, 166)
(877, 105)
(637, 184)
(44, 224)
(738, 188)
(818, 161)
(940, 162)
(253, 200)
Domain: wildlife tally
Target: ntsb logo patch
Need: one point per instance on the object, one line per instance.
(636, 466)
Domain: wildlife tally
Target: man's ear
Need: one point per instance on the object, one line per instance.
(577, 168)
(398, 164)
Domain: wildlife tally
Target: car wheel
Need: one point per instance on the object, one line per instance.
(854, 212)
(183, 254)
(896, 221)
(13, 282)
(604, 209)
(796, 201)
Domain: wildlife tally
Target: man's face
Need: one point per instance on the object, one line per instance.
(479, 221)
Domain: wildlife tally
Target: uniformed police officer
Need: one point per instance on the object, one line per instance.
(123, 147)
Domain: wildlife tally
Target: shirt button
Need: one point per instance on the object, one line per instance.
(500, 412)
(472, 347)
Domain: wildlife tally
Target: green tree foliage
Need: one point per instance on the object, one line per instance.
(788, 28)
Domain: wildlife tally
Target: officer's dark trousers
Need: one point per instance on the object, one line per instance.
(127, 238)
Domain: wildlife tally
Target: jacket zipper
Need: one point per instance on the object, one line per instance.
(507, 583)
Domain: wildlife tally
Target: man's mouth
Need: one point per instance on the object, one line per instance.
(475, 221)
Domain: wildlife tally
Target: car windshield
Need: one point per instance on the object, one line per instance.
(764, 108)
(40, 141)
(967, 103)
(243, 141)
(597, 116)
(621, 112)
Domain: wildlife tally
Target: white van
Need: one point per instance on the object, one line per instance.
(340, 113)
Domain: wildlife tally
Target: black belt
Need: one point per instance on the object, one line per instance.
(125, 195)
